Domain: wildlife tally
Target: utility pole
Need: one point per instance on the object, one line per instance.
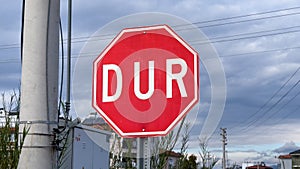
(224, 141)
(39, 83)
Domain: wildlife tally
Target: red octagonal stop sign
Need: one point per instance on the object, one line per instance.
(145, 81)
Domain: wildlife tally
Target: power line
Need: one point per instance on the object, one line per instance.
(268, 101)
(223, 38)
(93, 54)
(291, 112)
(10, 45)
(270, 108)
(243, 38)
(262, 51)
(10, 61)
(212, 25)
(279, 110)
(274, 95)
(249, 33)
(247, 15)
(284, 105)
(242, 21)
(109, 36)
(207, 21)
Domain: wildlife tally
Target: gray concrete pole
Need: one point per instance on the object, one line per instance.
(39, 84)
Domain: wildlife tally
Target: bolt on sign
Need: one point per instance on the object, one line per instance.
(145, 81)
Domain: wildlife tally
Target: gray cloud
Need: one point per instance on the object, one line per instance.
(287, 148)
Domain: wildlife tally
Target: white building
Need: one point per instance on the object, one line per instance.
(121, 149)
(86, 148)
(285, 161)
(247, 164)
(12, 115)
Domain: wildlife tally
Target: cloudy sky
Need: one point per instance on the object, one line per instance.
(257, 43)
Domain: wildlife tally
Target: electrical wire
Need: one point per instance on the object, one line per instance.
(271, 116)
(228, 38)
(22, 29)
(243, 16)
(251, 119)
(93, 54)
(109, 36)
(290, 113)
(249, 33)
(62, 68)
(284, 105)
(243, 38)
(270, 108)
(261, 51)
(10, 61)
(274, 95)
(241, 21)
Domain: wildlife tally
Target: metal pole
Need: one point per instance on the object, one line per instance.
(147, 154)
(69, 53)
(143, 153)
(39, 84)
(140, 153)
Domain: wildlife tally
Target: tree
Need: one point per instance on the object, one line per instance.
(206, 157)
(188, 162)
(162, 147)
(10, 142)
(185, 137)
(116, 150)
(192, 161)
(128, 155)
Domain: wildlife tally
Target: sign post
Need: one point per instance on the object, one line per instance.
(145, 81)
(143, 152)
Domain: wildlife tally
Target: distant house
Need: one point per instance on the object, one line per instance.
(290, 161)
(11, 118)
(285, 161)
(172, 159)
(247, 164)
(259, 166)
(94, 120)
(295, 159)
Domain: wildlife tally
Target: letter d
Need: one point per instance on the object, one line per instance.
(117, 70)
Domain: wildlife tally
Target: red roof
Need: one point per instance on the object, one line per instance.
(259, 167)
(287, 156)
(173, 154)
